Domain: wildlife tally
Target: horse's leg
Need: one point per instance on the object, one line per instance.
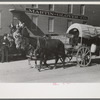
(63, 61)
(35, 63)
(29, 62)
(41, 60)
(56, 60)
(39, 67)
(45, 61)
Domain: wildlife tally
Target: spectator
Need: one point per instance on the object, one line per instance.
(4, 48)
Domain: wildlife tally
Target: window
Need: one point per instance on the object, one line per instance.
(34, 5)
(70, 8)
(51, 7)
(0, 19)
(82, 9)
(35, 21)
(51, 25)
(69, 22)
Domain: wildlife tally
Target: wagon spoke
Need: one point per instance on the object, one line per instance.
(84, 62)
(83, 50)
(87, 52)
(81, 62)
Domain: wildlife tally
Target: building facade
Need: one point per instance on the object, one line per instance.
(48, 19)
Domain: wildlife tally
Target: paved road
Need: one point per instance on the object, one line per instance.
(19, 71)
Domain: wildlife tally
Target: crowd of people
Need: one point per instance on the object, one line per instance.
(4, 48)
(8, 39)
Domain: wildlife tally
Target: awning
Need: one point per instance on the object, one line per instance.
(31, 26)
(16, 11)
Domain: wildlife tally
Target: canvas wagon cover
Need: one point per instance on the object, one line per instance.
(86, 31)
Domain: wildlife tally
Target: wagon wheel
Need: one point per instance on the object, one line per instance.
(83, 56)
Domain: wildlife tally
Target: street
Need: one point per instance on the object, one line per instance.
(20, 72)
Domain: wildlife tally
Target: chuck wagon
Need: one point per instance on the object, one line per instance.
(83, 42)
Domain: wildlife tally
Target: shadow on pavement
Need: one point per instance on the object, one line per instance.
(59, 65)
(94, 62)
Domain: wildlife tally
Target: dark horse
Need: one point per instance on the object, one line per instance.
(46, 48)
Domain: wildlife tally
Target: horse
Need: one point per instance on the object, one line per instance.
(44, 47)
(17, 33)
(32, 47)
(41, 46)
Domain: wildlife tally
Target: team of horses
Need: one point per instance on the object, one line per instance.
(41, 48)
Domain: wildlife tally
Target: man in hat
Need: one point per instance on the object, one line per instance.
(4, 48)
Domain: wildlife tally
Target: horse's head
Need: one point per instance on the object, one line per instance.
(21, 42)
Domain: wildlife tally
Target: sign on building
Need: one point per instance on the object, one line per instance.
(52, 13)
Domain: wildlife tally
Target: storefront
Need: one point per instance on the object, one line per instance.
(48, 19)
(51, 21)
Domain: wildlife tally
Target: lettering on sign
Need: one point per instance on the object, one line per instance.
(52, 13)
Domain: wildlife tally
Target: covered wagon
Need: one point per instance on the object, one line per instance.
(83, 40)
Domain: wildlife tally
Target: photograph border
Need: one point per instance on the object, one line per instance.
(19, 91)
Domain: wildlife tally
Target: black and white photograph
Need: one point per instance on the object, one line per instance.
(49, 43)
(50, 49)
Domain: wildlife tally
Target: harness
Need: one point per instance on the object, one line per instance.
(39, 47)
